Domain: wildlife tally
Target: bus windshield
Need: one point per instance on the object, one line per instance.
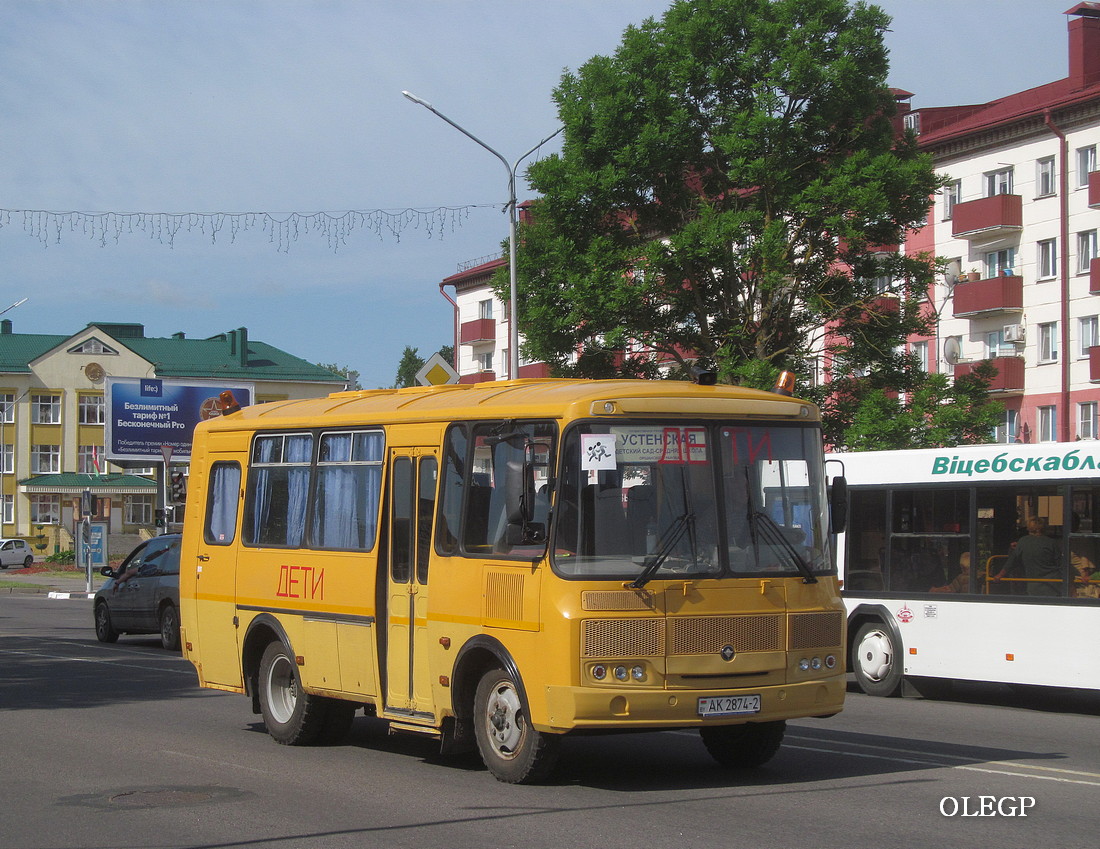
(649, 500)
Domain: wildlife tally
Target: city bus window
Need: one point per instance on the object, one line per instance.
(1084, 543)
(401, 519)
(930, 535)
(451, 489)
(425, 509)
(222, 502)
(866, 538)
(345, 501)
(275, 509)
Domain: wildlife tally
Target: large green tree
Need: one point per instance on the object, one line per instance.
(727, 182)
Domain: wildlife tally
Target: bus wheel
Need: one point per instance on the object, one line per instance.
(170, 627)
(104, 631)
(293, 717)
(513, 751)
(743, 746)
(876, 661)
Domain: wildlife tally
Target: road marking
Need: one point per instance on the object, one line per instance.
(188, 671)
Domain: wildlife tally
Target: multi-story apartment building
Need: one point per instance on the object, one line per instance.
(54, 412)
(1018, 224)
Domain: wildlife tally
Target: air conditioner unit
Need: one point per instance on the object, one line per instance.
(1015, 333)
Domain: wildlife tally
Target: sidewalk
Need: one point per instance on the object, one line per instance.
(56, 586)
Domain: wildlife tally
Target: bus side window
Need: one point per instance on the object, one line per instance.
(451, 490)
(223, 501)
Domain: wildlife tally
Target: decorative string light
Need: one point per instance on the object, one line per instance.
(282, 229)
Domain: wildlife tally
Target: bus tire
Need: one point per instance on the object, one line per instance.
(743, 746)
(512, 750)
(293, 717)
(876, 661)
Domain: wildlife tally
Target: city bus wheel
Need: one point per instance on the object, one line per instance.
(876, 661)
(293, 717)
(170, 627)
(510, 747)
(743, 746)
(104, 631)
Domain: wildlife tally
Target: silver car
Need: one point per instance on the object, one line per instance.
(143, 594)
(15, 552)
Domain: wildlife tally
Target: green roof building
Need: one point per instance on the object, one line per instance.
(53, 407)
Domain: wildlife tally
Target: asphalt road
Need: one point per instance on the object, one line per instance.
(116, 746)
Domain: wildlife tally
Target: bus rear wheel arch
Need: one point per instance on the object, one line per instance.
(294, 717)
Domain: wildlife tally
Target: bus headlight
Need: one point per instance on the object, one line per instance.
(815, 663)
(804, 664)
(620, 673)
(638, 673)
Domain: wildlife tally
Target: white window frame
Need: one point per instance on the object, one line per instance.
(920, 349)
(1046, 256)
(137, 510)
(1047, 423)
(1046, 177)
(996, 346)
(1086, 250)
(91, 409)
(46, 409)
(7, 407)
(7, 459)
(1086, 164)
(996, 262)
(7, 508)
(485, 308)
(1086, 420)
(45, 459)
(1009, 428)
(45, 509)
(952, 194)
(484, 361)
(1088, 333)
(86, 456)
(999, 182)
(1048, 342)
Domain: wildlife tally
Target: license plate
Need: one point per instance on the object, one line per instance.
(729, 705)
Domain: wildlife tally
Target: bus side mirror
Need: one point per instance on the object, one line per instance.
(520, 485)
(838, 505)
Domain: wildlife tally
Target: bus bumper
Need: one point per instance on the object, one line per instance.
(592, 708)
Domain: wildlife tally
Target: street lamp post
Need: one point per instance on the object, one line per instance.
(513, 319)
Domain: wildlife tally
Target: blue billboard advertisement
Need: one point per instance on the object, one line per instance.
(145, 415)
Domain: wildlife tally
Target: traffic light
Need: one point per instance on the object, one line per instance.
(177, 490)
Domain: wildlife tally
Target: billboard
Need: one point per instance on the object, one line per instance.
(145, 414)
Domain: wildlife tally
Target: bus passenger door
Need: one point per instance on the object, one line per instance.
(412, 486)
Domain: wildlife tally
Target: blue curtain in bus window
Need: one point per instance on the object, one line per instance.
(297, 451)
(348, 484)
(221, 521)
(264, 452)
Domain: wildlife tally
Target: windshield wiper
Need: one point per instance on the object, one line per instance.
(773, 535)
(668, 543)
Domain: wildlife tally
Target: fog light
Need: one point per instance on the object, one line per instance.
(804, 665)
(638, 673)
(816, 663)
(830, 661)
(620, 673)
(599, 672)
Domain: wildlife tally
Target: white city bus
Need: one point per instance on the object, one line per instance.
(919, 517)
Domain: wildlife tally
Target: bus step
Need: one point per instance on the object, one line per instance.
(422, 730)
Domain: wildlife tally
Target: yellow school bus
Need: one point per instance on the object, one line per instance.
(501, 564)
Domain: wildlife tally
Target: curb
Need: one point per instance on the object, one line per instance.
(57, 594)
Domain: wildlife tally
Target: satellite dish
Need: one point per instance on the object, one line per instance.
(951, 351)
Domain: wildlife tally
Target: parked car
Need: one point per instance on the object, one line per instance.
(143, 594)
(15, 552)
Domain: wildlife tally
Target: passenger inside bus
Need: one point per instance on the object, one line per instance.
(1038, 559)
(961, 582)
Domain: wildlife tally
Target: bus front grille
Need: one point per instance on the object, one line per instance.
(684, 635)
(815, 630)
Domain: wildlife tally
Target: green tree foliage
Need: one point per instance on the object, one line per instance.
(411, 363)
(724, 180)
(352, 377)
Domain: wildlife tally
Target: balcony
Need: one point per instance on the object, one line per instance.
(478, 330)
(989, 218)
(1094, 364)
(1094, 189)
(1010, 373)
(995, 294)
(478, 377)
(1094, 274)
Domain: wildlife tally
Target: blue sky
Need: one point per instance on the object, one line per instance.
(280, 107)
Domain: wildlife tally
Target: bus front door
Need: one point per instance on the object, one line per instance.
(412, 485)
